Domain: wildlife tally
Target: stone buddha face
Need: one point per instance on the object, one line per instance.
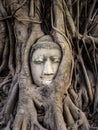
(45, 60)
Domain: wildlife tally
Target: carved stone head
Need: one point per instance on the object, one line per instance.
(45, 58)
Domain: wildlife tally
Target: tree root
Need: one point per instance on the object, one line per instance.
(96, 96)
(8, 108)
(89, 88)
(76, 118)
(70, 21)
(80, 99)
(26, 111)
(12, 46)
(5, 57)
(7, 80)
(21, 34)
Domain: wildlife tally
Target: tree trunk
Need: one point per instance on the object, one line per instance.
(70, 101)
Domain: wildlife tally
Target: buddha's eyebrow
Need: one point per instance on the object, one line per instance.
(55, 56)
(38, 57)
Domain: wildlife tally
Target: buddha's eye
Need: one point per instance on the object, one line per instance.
(55, 59)
(38, 61)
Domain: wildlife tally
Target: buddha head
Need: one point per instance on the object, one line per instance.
(45, 58)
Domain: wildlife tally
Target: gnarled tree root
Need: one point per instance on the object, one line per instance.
(74, 116)
(8, 108)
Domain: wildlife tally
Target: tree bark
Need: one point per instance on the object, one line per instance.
(70, 102)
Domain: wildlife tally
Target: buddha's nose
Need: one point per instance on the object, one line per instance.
(48, 68)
